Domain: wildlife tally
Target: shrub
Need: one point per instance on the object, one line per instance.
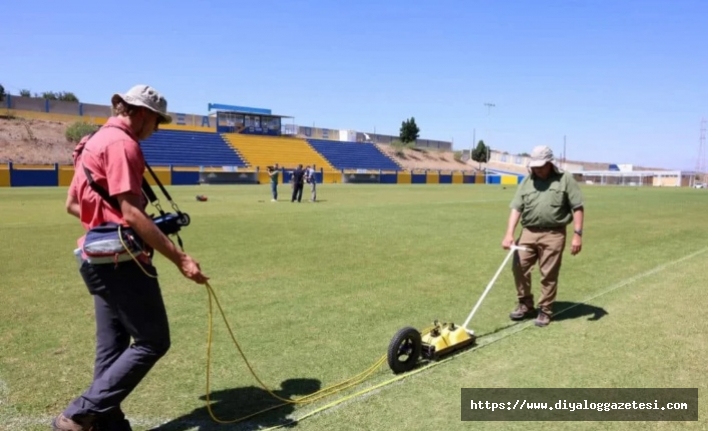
(78, 130)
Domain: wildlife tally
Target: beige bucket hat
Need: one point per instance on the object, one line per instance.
(541, 155)
(147, 97)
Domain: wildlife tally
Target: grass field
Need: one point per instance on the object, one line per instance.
(314, 293)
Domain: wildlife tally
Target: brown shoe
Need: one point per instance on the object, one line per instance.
(521, 312)
(543, 319)
(63, 423)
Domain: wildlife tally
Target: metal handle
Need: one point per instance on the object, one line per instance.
(512, 249)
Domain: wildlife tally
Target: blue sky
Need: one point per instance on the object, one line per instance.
(624, 81)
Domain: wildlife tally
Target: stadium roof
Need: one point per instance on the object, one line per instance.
(244, 110)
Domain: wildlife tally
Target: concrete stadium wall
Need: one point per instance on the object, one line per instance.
(18, 175)
(29, 107)
(57, 110)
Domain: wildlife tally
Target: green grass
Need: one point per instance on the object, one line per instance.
(314, 293)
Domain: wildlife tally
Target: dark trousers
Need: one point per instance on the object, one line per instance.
(297, 192)
(274, 190)
(127, 304)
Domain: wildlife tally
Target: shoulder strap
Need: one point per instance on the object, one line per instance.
(147, 190)
(100, 190)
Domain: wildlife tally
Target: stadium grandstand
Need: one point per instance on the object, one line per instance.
(235, 144)
(188, 148)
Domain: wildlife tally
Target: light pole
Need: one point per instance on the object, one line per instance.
(489, 106)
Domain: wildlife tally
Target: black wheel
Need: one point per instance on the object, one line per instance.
(404, 350)
(184, 219)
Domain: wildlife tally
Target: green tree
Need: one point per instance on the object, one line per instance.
(78, 130)
(2, 93)
(49, 95)
(409, 131)
(482, 153)
(67, 96)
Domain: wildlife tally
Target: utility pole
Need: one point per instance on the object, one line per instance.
(564, 152)
(489, 108)
(474, 142)
(700, 174)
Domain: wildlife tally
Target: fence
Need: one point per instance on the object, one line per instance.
(16, 175)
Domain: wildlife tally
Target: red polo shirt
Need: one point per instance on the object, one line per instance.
(116, 162)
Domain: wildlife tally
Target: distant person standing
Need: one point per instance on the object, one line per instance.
(273, 174)
(298, 183)
(545, 202)
(311, 177)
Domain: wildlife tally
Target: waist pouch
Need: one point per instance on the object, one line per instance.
(112, 243)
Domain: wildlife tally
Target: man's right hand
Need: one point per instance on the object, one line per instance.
(507, 242)
(190, 269)
(150, 233)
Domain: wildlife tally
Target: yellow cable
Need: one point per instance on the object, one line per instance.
(302, 400)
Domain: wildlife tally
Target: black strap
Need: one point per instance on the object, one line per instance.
(100, 190)
(147, 190)
(164, 190)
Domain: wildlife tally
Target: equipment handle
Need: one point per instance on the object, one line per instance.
(512, 250)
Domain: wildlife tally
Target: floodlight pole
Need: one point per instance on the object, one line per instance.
(474, 139)
(486, 170)
(489, 106)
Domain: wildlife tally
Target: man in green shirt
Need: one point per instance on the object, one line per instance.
(546, 202)
(273, 174)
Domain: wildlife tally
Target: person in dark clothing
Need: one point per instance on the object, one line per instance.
(298, 183)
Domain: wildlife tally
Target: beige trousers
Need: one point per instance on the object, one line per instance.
(546, 248)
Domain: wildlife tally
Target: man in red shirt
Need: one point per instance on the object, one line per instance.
(127, 297)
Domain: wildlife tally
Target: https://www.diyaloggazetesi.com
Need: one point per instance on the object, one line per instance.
(572, 406)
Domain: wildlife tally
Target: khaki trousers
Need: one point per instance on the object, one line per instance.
(546, 246)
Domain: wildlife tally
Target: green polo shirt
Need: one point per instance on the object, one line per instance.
(274, 177)
(547, 203)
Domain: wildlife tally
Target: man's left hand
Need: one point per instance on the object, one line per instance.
(576, 245)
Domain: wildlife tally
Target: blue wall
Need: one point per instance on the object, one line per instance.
(389, 178)
(418, 178)
(34, 178)
(185, 178)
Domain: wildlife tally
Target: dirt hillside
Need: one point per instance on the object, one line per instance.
(34, 142)
(426, 159)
